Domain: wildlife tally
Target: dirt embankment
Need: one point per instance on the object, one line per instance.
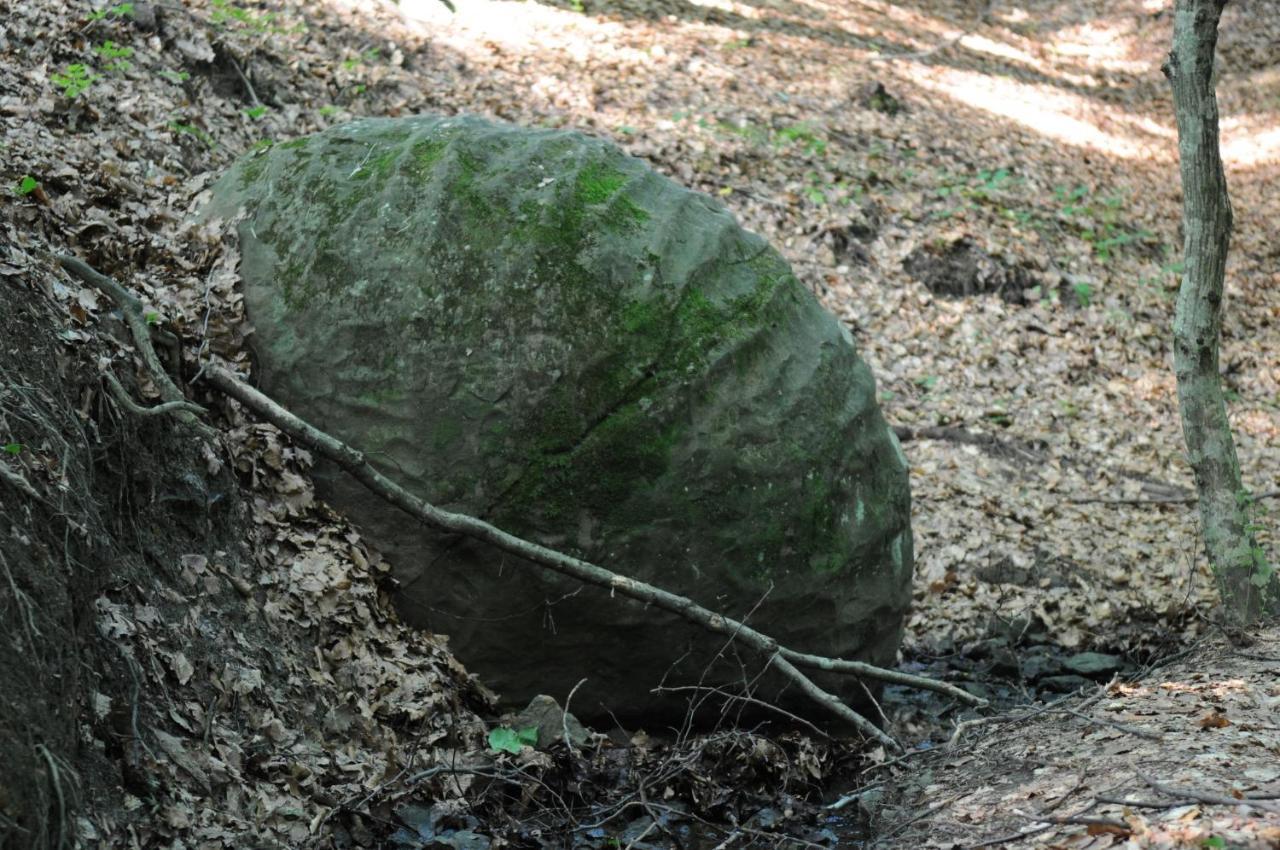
(197, 652)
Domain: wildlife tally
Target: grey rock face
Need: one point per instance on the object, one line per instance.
(533, 328)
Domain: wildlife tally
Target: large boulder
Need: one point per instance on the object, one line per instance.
(531, 327)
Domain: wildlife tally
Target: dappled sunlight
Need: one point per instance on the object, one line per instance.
(1104, 46)
(1220, 688)
(1059, 115)
(514, 26)
(1248, 142)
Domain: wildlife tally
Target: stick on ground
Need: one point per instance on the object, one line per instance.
(785, 661)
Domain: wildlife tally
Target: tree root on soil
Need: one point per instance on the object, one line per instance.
(786, 661)
(175, 401)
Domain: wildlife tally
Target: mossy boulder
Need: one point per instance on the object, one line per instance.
(531, 327)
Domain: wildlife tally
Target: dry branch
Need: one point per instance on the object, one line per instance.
(175, 401)
(1211, 799)
(781, 658)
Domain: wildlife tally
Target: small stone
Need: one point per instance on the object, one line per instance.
(546, 715)
(1094, 663)
(1064, 684)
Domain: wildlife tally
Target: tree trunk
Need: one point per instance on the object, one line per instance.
(1225, 506)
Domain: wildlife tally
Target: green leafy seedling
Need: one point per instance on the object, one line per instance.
(175, 76)
(13, 448)
(26, 185)
(74, 80)
(152, 317)
(1083, 293)
(110, 50)
(256, 112)
(504, 739)
(192, 130)
(119, 10)
(119, 56)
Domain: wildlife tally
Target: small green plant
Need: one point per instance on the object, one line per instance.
(504, 739)
(1098, 222)
(927, 382)
(256, 112)
(192, 130)
(368, 57)
(746, 131)
(74, 80)
(119, 10)
(117, 54)
(152, 317)
(13, 448)
(262, 144)
(175, 76)
(1083, 292)
(328, 111)
(805, 136)
(26, 185)
(225, 13)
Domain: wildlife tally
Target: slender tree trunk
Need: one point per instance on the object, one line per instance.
(1225, 507)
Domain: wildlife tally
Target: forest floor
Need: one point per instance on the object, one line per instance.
(988, 197)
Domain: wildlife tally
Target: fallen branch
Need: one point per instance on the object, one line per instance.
(782, 659)
(1176, 500)
(131, 307)
(1123, 727)
(1212, 799)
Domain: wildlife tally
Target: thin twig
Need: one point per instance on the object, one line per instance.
(870, 671)
(1174, 500)
(1048, 822)
(354, 463)
(1212, 799)
(746, 699)
(248, 86)
(131, 307)
(929, 812)
(122, 396)
(564, 715)
(1123, 727)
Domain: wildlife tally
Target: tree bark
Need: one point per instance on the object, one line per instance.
(1225, 506)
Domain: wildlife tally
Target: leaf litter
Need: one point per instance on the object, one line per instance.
(987, 200)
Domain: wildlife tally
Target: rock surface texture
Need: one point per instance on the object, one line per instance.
(534, 328)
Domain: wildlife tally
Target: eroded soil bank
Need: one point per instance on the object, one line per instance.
(202, 656)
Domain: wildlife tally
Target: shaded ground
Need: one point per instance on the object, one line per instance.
(989, 201)
(1186, 756)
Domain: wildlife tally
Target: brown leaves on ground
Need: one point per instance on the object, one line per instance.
(907, 158)
(1187, 757)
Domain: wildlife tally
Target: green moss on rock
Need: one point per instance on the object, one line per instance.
(529, 326)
